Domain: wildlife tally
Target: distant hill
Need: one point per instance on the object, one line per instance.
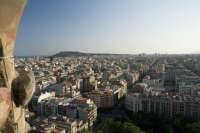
(76, 53)
(70, 53)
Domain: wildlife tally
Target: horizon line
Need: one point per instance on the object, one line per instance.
(109, 53)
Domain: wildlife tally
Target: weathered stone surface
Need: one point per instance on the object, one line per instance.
(12, 115)
(10, 14)
(23, 87)
(5, 105)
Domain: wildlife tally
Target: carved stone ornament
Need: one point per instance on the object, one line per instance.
(16, 88)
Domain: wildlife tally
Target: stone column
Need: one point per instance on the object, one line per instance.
(12, 115)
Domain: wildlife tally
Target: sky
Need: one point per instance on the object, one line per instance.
(109, 26)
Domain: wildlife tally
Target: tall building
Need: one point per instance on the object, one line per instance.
(88, 84)
(102, 99)
(164, 105)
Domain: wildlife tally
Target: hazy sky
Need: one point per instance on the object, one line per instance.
(111, 26)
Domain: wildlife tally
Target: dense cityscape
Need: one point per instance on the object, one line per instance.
(77, 92)
(124, 66)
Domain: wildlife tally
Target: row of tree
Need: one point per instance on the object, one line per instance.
(148, 122)
(153, 123)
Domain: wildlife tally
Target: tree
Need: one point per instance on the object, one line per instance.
(99, 131)
(119, 127)
(85, 131)
(192, 127)
(131, 128)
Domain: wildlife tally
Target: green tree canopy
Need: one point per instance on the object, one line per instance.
(119, 127)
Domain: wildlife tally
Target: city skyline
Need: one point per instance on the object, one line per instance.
(119, 27)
